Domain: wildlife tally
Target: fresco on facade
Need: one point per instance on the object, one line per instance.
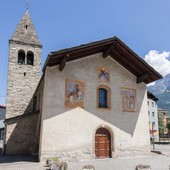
(103, 75)
(74, 93)
(128, 99)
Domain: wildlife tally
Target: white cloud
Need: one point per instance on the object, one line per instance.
(159, 61)
(151, 84)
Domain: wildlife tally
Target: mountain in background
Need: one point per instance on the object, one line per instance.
(161, 89)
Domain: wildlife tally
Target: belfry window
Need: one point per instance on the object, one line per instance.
(103, 93)
(21, 57)
(30, 58)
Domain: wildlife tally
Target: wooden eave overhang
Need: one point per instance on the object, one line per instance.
(112, 47)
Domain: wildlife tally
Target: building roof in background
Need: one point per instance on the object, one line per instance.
(162, 110)
(2, 106)
(151, 96)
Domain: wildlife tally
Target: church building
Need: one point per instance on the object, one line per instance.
(90, 102)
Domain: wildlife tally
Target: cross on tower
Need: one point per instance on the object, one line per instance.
(27, 2)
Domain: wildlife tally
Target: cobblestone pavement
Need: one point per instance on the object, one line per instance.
(126, 162)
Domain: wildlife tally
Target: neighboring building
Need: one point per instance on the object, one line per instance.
(91, 101)
(153, 116)
(167, 119)
(162, 115)
(2, 125)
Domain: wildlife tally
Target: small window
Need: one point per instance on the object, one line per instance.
(148, 103)
(103, 93)
(153, 124)
(102, 98)
(21, 57)
(1, 134)
(153, 113)
(148, 113)
(152, 104)
(30, 58)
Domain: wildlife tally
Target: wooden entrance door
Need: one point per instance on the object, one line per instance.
(103, 143)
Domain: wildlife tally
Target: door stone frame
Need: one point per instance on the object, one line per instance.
(111, 137)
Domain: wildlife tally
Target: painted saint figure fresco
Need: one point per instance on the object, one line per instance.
(74, 93)
(128, 99)
(103, 74)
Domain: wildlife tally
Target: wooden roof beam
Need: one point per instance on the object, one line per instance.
(125, 63)
(142, 78)
(63, 62)
(107, 51)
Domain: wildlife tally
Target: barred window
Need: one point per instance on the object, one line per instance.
(103, 97)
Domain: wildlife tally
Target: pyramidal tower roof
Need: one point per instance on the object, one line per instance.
(25, 31)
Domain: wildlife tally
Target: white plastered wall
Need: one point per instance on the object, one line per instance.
(68, 130)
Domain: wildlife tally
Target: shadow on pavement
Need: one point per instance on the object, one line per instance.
(17, 158)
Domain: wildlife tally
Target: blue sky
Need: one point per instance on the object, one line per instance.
(143, 25)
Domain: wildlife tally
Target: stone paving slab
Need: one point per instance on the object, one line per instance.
(20, 163)
(128, 161)
(157, 162)
(23, 166)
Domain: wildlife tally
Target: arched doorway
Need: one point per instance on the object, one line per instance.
(102, 143)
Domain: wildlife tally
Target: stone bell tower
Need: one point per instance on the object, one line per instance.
(24, 68)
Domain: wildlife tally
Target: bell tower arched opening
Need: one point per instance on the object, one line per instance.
(21, 57)
(30, 58)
